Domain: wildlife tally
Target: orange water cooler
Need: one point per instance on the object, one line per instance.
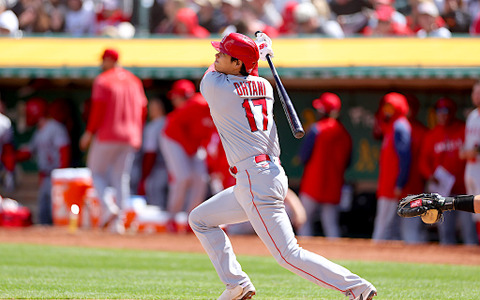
(74, 186)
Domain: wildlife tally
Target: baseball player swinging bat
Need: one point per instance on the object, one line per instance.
(290, 112)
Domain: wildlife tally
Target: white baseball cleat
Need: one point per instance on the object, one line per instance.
(238, 293)
(368, 294)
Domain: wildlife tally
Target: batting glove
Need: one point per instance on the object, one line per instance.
(264, 44)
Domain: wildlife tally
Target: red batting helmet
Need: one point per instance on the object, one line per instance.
(183, 88)
(240, 47)
(35, 109)
(327, 102)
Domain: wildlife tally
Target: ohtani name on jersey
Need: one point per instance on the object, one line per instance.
(250, 88)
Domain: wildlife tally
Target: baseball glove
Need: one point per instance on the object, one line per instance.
(429, 206)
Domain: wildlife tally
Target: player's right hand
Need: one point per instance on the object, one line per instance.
(264, 44)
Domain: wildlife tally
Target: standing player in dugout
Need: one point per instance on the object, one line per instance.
(241, 106)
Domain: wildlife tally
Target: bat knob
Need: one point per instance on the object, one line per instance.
(299, 134)
(258, 32)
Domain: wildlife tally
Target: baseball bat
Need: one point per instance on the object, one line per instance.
(290, 112)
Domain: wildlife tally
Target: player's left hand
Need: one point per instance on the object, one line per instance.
(264, 44)
(429, 206)
(85, 141)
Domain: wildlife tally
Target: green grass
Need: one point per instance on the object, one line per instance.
(47, 272)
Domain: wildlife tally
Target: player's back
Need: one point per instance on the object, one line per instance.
(242, 110)
(125, 100)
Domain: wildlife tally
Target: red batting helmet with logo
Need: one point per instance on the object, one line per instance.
(240, 47)
(35, 109)
(327, 102)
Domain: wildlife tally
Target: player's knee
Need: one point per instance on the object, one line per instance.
(195, 220)
(286, 259)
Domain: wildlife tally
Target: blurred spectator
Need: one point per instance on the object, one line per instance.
(427, 20)
(383, 23)
(440, 164)
(397, 17)
(114, 131)
(50, 145)
(79, 19)
(394, 165)
(154, 176)
(8, 21)
(56, 10)
(232, 13)
(474, 12)
(170, 9)
(352, 15)
(156, 15)
(32, 16)
(288, 25)
(186, 24)
(265, 12)
(472, 7)
(308, 21)
(326, 153)
(249, 24)
(209, 15)
(112, 21)
(188, 129)
(456, 19)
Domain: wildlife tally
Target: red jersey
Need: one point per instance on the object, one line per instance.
(217, 162)
(326, 159)
(416, 182)
(119, 107)
(191, 124)
(441, 148)
(395, 154)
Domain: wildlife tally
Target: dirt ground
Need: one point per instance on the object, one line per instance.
(341, 249)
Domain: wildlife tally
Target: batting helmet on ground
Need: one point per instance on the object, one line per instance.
(240, 47)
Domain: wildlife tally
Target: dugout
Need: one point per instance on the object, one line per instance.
(360, 70)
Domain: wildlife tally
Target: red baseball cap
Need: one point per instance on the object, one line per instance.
(240, 47)
(183, 87)
(446, 104)
(384, 13)
(327, 102)
(398, 102)
(35, 109)
(110, 53)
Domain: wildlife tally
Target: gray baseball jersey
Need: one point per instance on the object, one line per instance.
(156, 183)
(46, 143)
(151, 140)
(6, 131)
(248, 131)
